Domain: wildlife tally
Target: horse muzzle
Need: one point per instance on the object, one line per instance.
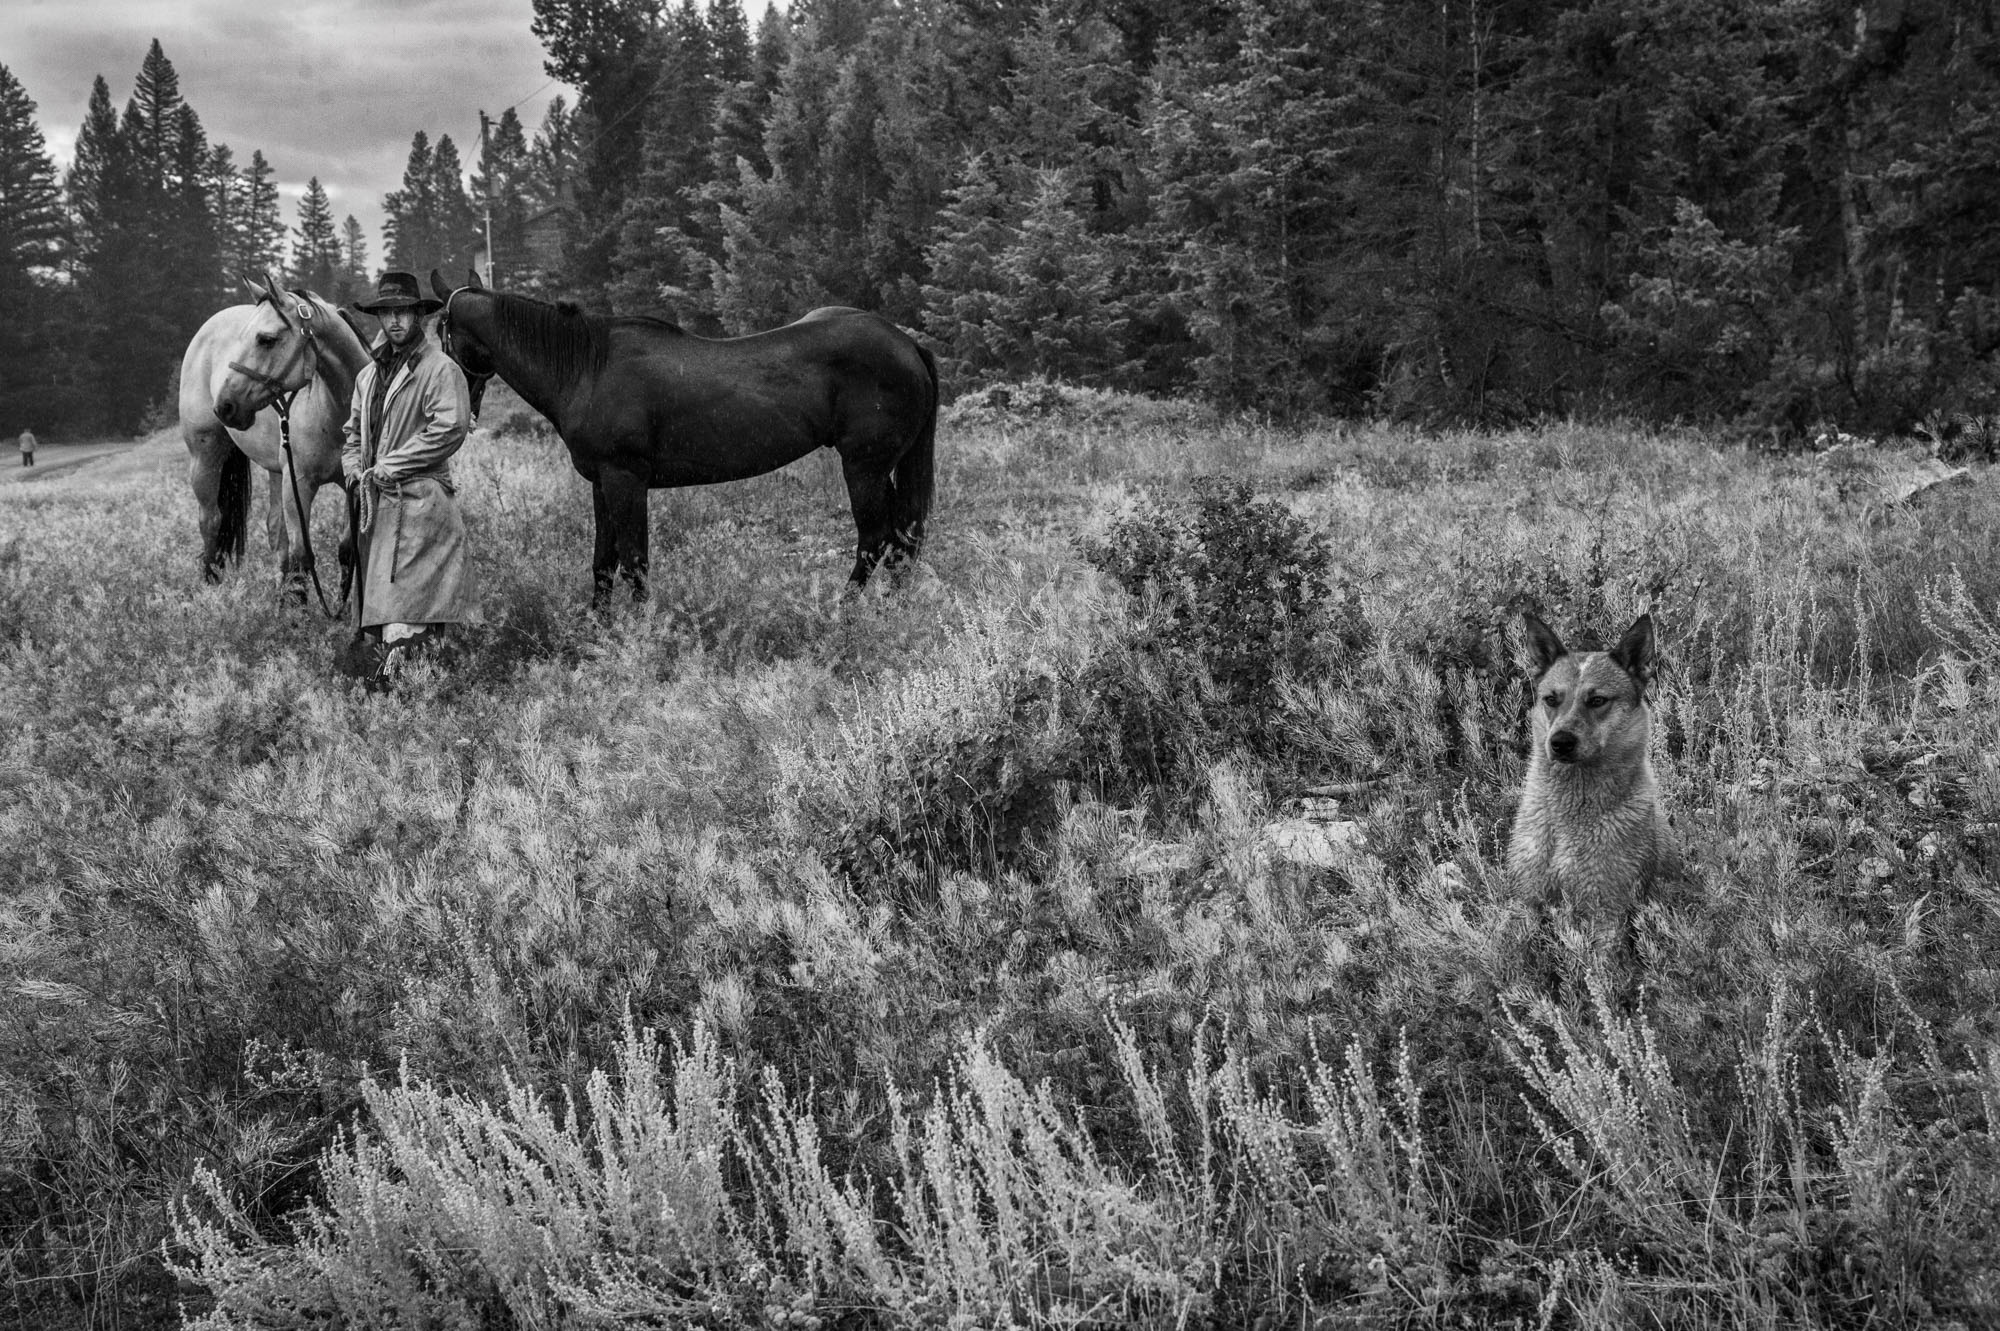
(233, 414)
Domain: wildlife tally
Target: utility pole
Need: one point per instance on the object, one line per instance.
(486, 160)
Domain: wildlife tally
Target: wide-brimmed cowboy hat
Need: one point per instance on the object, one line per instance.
(398, 290)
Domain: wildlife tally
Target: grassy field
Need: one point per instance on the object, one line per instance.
(1103, 927)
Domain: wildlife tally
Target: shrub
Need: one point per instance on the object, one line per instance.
(668, 1196)
(911, 840)
(1230, 596)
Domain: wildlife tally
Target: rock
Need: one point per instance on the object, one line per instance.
(1447, 877)
(1158, 858)
(1315, 844)
(1928, 475)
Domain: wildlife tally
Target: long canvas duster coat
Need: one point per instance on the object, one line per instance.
(414, 559)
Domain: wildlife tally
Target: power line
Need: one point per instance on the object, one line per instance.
(486, 170)
(536, 93)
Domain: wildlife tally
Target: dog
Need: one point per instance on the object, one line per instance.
(1591, 839)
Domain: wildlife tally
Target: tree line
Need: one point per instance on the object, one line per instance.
(1769, 212)
(1773, 212)
(107, 270)
(106, 273)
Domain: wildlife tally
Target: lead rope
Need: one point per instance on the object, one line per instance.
(283, 402)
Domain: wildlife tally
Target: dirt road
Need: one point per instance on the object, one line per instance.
(53, 460)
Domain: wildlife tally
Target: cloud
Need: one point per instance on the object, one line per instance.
(332, 89)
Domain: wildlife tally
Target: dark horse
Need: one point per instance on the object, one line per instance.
(645, 406)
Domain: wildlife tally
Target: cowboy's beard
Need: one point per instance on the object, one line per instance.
(402, 332)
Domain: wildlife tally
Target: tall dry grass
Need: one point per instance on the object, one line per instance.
(998, 997)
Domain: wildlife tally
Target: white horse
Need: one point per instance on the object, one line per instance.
(285, 346)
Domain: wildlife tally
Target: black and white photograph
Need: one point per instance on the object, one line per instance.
(994, 665)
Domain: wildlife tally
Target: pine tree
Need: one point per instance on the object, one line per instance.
(1051, 188)
(1020, 288)
(459, 237)
(1659, 183)
(1251, 206)
(911, 148)
(731, 50)
(1059, 312)
(840, 24)
(32, 226)
(860, 147)
(1063, 94)
(119, 187)
(411, 223)
(193, 231)
(737, 159)
(155, 107)
(148, 258)
(431, 221)
(1943, 129)
(316, 260)
(552, 159)
(223, 184)
(501, 184)
(650, 265)
(778, 241)
(962, 293)
(100, 181)
(33, 234)
(354, 279)
(605, 50)
(263, 226)
(743, 90)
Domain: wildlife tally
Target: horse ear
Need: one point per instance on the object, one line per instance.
(271, 292)
(442, 291)
(472, 279)
(250, 284)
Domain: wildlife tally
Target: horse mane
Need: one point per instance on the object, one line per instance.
(572, 343)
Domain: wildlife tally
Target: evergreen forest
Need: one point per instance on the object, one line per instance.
(1768, 213)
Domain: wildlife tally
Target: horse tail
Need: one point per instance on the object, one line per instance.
(915, 473)
(232, 501)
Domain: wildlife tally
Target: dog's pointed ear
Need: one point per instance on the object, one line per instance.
(1544, 647)
(438, 287)
(1637, 650)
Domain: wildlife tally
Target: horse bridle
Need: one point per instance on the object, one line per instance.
(445, 339)
(281, 392)
(282, 396)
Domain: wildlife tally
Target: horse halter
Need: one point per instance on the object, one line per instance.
(282, 395)
(445, 338)
(281, 392)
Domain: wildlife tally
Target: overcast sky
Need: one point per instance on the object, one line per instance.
(327, 88)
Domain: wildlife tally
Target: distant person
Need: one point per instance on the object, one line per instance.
(410, 414)
(27, 448)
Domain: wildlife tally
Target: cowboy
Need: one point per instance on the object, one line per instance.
(409, 416)
(27, 448)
